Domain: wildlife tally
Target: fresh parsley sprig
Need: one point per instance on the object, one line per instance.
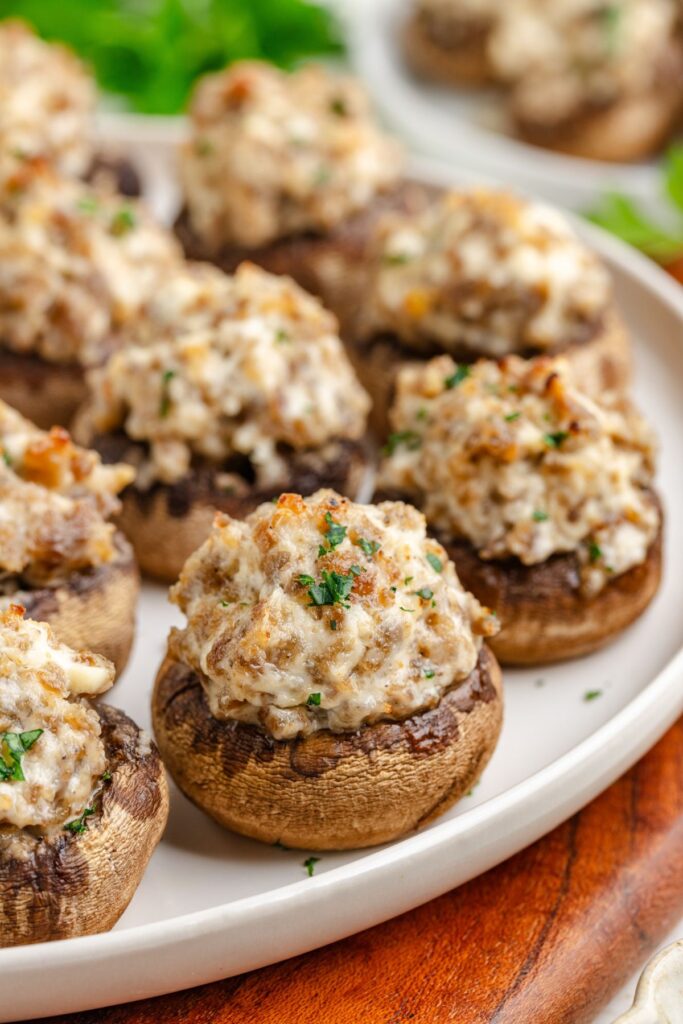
(331, 588)
(13, 746)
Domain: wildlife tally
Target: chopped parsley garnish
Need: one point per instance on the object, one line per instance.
(225, 603)
(282, 336)
(408, 579)
(333, 588)
(434, 561)
(13, 746)
(79, 825)
(395, 259)
(421, 413)
(461, 374)
(425, 593)
(539, 516)
(392, 589)
(592, 695)
(409, 438)
(165, 402)
(88, 204)
(313, 700)
(429, 673)
(310, 864)
(338, 106)
(411, 610)
(6, 457)
(555, 440)
(512, 416)
(106, 776)
(333, 623)
(368, 547)
(594, 551)
(335, 534)
(203, 147)
(122, 222)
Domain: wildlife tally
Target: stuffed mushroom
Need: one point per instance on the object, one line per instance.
(332, 688)
(83, 796)
(589, 78)
(59, 556)
(447, 40)
(47, 109)
(543, 498)
(76, 264)
(237, 389)
(290, 171)
(482, 273)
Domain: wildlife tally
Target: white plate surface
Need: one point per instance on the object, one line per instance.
(466, 126)
(212, 904)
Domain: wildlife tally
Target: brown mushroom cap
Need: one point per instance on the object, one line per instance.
(543, 614)
(601, 363)
(63, 885)
(463, 61)
(168, 522)
(46, 393)
(332, 266)
(328, 791)
(94, 609)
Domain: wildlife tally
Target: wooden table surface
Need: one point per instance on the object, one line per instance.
(546, 937)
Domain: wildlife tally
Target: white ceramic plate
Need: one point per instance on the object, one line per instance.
(465, 127)
(212, 904)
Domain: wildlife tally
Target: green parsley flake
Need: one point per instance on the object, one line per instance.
(335, 534)
(106, 776)
(411, 610)
(409, 438)
(13, 746)
(6, 458)
(555, 440)
(368, 547)
(512, 416)
(395, 259)
(333, 623)
(313, 700)
(594, 551)
(434, 561)
(165, 401)
(539, 516)
(310, 864)
(333, 588)
(338, 106)
(592, 695)
(429, 673)
(425, 593)
(122, 222)
(421, 413)
(461, 374)
(282, 336)
(79, 825)
(88, 204)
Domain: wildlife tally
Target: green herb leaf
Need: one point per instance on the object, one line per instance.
(106, 776)
(282, 336)
(673, 176)
(122, 222)
(594, 551)
(333, 624)
(425, 593)
(621, 216)
(313, 700)
(462, 372)
(512, 416)
(333, 588)
(429, 673)
(539, 516)
(409, 438)
(165, 401)
(310, 864)
(338, 106)
(395, 259)
(13, 746)
(592, 695)
(555, 440)
(434, 561)
(79, 825)
(368, 547)
(335, 532)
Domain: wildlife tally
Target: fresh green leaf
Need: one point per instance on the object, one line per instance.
(313, 700)
(368, 547)
(310, 864)
(434, 561)
(594, 551)
(621, 216)
(13, 746)
(462, 373)
(409, 438)
(425, 593)
(512, 416)
(673, 176)
(539, 516)
(165, 401)
(333, 588)
(590, 695)
(79, 825)
(555, 439)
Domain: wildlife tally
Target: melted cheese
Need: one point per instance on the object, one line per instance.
(274, 154)
(516, 461)
(41, 682)
(401, 632)
(488, 271)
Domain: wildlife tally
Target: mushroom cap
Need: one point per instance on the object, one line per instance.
(62, 885)
(462, 62)
(328, 791)
(46, 393)
(543, 613)
(94, 609)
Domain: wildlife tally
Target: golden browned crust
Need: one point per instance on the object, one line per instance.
(630, 130)
(66, 885)
(334, 266)
(463, 62)
(328, 791)
(601, 364)
(95, 609)
(46, 393)
(166, 523)
(543, 614)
